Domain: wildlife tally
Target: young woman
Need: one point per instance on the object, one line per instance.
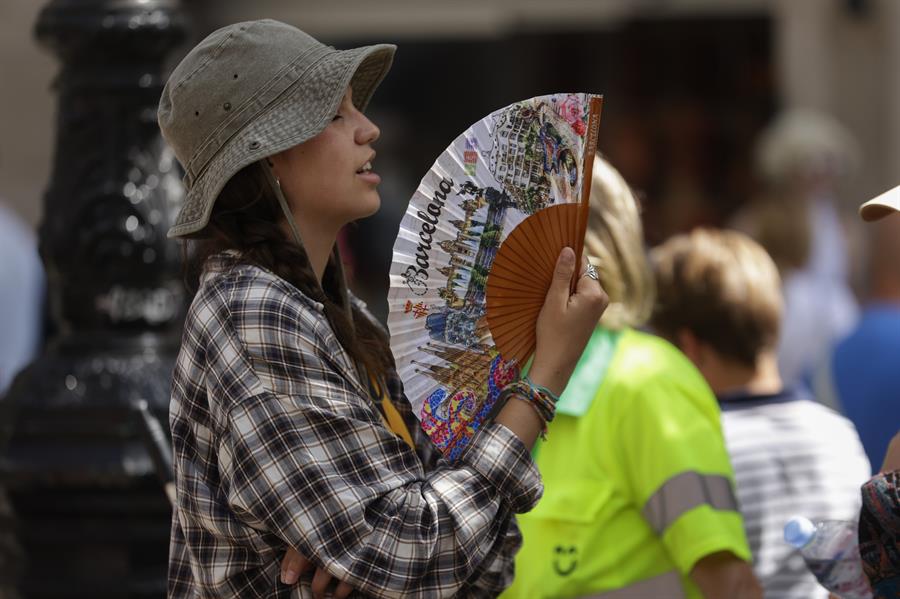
(289, 424)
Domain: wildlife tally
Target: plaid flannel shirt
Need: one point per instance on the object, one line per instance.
(277, 444)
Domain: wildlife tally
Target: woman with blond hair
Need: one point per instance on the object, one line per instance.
(638, 489)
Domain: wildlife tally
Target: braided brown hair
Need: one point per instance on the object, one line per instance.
(246, 218)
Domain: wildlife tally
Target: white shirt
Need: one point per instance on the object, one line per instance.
(791, 457)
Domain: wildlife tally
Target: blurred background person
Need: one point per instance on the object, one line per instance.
(719, 301)
(21, 296)
(879, 526)
(801, 157)
(879, 534)
(638, 489)
(861, 377)
(879, 519)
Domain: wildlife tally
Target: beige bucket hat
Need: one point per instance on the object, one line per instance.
(882, 205)
(250, 90)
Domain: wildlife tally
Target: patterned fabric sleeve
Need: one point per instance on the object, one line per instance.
(879, 534)
(303, 456)
(499, 575)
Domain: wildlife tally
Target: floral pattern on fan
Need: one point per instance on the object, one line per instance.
(514, 163)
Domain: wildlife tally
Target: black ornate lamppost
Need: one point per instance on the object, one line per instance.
(90, 518)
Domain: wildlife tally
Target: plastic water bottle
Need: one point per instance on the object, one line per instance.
(831, 553)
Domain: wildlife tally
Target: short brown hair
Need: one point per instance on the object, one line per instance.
(723, 287)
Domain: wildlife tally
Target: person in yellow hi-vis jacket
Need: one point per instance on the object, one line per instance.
(639, 496)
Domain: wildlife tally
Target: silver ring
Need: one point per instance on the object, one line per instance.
(591, 272)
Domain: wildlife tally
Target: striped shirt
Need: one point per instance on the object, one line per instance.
(791, 456)
(277, 444)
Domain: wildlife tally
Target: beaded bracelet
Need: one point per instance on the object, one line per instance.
(550, 394)
(541, 400)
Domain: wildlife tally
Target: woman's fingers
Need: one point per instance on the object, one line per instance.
(320, 582)
(293, 565)
(343, 591)
(591, 292)
(562, 277)
(565, 323)
(587, 285)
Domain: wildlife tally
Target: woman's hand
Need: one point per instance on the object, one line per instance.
(294, 565)
(565, 324)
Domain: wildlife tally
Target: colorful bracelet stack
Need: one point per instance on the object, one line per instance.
(541, 399)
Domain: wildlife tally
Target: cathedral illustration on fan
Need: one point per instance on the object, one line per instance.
(453, 411)
(470, 255)
(511, 166)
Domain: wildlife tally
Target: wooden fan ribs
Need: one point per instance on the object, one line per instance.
(523, 268)
(534, 228)
(531, 258)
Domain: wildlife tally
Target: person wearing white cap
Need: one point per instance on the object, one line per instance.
(860, 376)
(881, 206)
(879, 518)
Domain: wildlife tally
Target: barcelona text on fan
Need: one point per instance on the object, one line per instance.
(417, 274)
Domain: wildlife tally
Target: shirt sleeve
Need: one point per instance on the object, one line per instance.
(305, 457)
(678, 470)
(499, 575)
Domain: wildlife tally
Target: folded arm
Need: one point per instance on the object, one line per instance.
(347, 495)
(305, 456)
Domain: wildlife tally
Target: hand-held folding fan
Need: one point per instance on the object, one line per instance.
(476, 252)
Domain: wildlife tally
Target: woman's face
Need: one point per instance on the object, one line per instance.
(328, 180)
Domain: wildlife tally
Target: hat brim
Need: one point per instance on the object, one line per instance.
(295, 118)
(881, 206)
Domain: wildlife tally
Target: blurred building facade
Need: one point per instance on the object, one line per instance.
(689, 84)
(840, 56)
